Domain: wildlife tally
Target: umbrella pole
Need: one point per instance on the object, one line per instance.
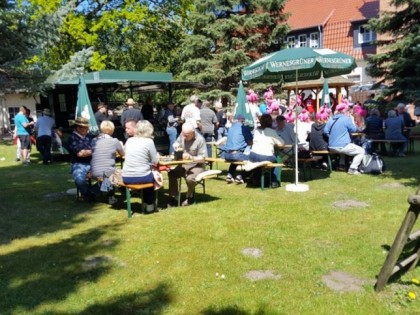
(296, 187)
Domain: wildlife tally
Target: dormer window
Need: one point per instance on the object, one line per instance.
(314, 40)
(302, 41)
(365, 35)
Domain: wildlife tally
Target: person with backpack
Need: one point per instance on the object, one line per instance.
(338, 130)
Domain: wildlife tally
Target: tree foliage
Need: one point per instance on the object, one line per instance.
(399, 61)
(125, 35)
(225, 36)
(24, 35)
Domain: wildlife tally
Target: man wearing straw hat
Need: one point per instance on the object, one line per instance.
(45, 127)
(80, 149)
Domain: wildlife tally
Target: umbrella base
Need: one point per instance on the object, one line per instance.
(297, 187)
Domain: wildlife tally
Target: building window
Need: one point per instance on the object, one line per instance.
(365, 35)
(314, 40)
(302, 41)
(13, 111)
(290, 41)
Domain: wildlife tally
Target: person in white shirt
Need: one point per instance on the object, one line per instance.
(45, 126)
(264, 143)
(191, 112)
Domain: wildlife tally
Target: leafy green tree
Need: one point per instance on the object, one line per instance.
(125, 35)
(225, 36)
(399, 61)
(25, 35)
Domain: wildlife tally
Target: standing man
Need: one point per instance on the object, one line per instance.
(208, 125)
(80, 150)
(194, 147)
(45, 126)
(131, 113)
(101, 114)
(191, 112)
(23, 124)
(338, 130)
(221, 121)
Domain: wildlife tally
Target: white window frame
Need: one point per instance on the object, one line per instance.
(301, 42)
(365, 36)
(291, 41)
(314, 40)
(13, 111)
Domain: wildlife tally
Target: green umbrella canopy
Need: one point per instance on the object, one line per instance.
(242, 106)
(84, 108)
(307, 63)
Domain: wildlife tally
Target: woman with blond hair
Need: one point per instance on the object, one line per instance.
(104, 149)
(140, 156)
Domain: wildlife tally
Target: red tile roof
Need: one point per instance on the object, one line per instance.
(309, 13)
(336, 17)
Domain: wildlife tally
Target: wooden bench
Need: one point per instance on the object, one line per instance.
(307, 164)
(411, 140)
(131, 187)
(391, 142)
(265, 166)
(200, 180)
(327, 153)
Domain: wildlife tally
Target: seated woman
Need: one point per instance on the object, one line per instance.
(140, 155)
(374, 129)
(394, 128)
(104, 149)
(318, 140)
(265, 139)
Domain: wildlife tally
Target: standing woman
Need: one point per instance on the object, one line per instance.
(140, 156)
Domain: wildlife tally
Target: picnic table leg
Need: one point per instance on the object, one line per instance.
(128, 197)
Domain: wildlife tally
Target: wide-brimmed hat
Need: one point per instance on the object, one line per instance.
(46, 111)
(101, 105)
(130, 101)
(82, 122)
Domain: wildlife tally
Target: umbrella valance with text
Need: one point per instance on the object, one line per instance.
(308, 63)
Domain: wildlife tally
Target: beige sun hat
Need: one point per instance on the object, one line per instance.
(130, 102)
(82, 122)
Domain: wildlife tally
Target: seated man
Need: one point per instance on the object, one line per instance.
(80, 150)
(286, 131)
(194, 148)
(338, 129)
(238, 139)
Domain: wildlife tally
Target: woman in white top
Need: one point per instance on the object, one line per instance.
(140, 156)
(263, 145)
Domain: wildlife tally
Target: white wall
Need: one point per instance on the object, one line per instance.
(14, 100)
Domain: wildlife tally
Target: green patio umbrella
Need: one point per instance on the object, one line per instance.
(84, 108)
(242, 106)
(325, 95)
(294, 65)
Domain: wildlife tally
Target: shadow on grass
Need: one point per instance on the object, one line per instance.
(35, 275)
(234, 310)
(152, 301)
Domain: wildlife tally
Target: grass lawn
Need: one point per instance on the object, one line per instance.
(238, 250)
